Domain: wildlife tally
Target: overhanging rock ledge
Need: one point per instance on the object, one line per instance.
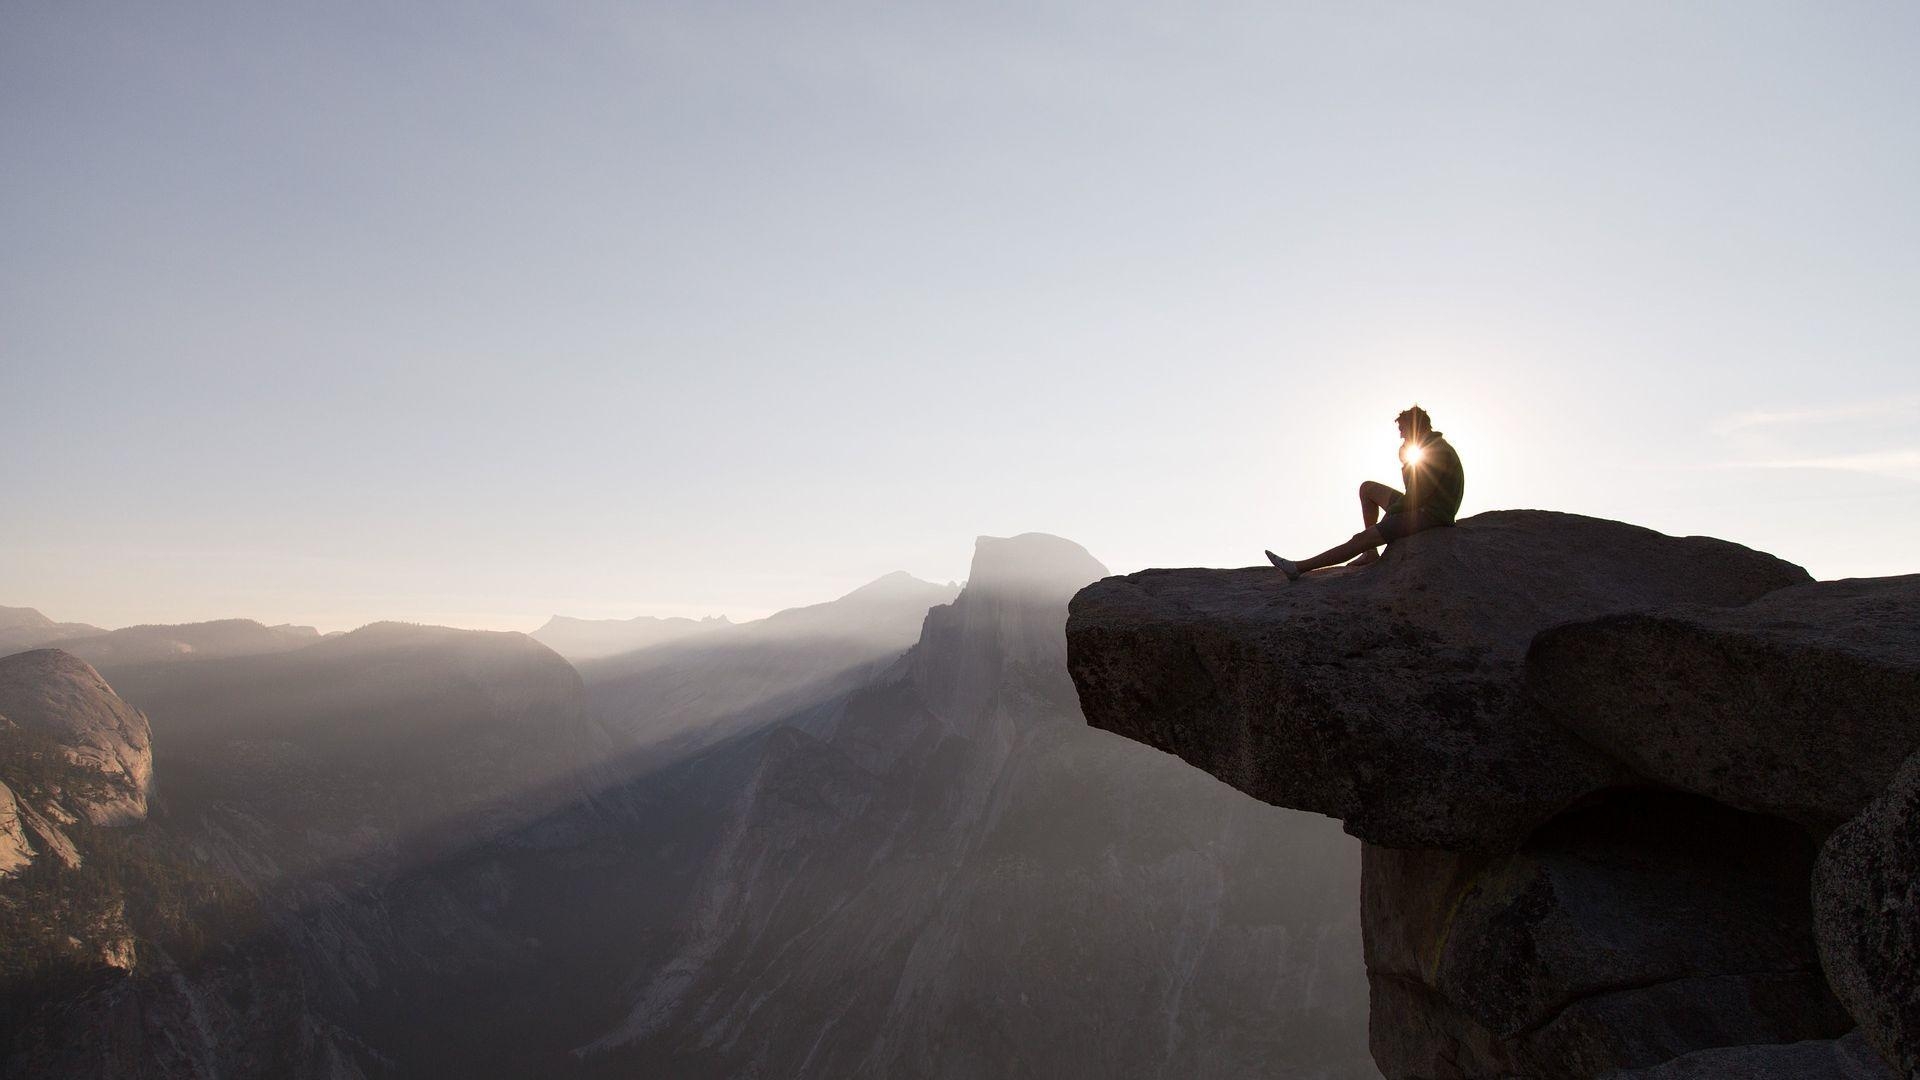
(1592, 766)
(1390, 697)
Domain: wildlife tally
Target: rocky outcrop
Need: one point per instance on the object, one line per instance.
(15, 850)
(106, 742)
(1592, 764)
(1867, 903)
(1390, 698)
(1624, 933)
(75, 769)
(1846, 1058)
(1800, 704)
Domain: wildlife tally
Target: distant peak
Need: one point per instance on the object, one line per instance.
(1032, 561)
(897, 583)
(23, 617)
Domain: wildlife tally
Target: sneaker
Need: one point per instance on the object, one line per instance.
(1287, 566)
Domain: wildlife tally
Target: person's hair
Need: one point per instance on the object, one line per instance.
(1417, 418)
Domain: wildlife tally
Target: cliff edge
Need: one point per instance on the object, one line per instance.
(1593, 766)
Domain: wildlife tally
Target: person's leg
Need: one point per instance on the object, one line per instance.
(1375, 497)
(1364, 540)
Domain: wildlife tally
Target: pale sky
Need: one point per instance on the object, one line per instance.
(475, 313)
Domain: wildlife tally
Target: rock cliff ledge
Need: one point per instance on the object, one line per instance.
(1593, 766)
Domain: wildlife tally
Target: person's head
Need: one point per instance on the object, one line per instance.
(1414, 423)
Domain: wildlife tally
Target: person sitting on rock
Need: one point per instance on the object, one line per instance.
(1434, 482)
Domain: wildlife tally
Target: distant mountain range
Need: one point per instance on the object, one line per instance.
(23, 628)
(26, 628)
(869, 837)
(673, 698)
(189, 641)
(945, 873)
(591, 639)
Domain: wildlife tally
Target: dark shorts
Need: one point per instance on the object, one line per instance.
(1400, 526)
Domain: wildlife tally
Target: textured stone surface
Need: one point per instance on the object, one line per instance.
(1622, 934)
(1866, 890)
(1800, 704)
(1846, 1058)
(15, 851)
(1593, 765)
(52, 694)
(1389, 696)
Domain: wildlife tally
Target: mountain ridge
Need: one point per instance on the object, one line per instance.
(416, 850)
(26, 628)
(591, 639)
(914, 883)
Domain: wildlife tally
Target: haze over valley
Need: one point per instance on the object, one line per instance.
(867, 837)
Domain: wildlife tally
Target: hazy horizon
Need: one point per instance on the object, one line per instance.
(473, 315)
(509, 623)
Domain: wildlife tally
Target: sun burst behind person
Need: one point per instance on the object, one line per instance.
(1434, 483)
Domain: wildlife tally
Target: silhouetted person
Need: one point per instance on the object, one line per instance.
(1434, 480)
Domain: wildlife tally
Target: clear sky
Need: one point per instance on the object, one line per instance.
(473, 313)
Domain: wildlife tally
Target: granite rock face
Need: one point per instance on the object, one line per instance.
(16, 851)
(59, 697)
(314, 848)
(1867, 910)
(1593, 766)
(1800, 704)
(1846, 1058)
(1622, 934)
(75, 765)
(1390, 697)
(1028, 897)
